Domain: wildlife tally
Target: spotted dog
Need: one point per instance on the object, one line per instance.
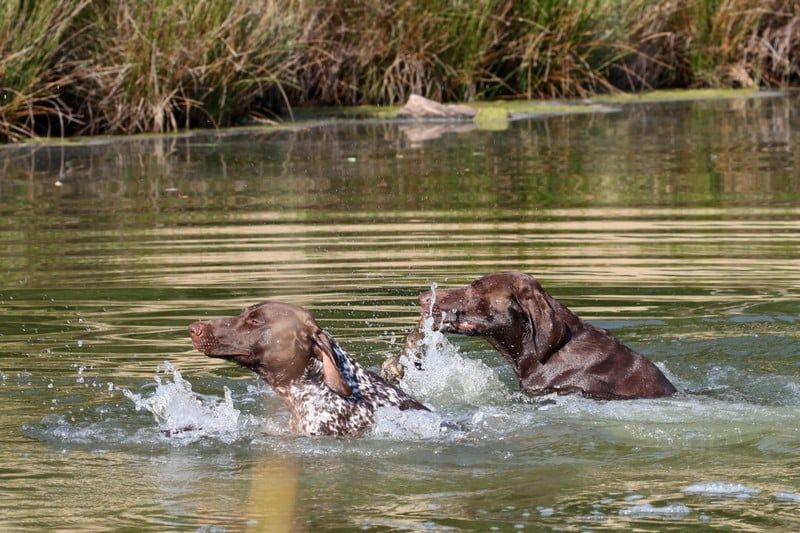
(326, 391)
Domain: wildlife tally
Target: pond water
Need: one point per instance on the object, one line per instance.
(674, 225)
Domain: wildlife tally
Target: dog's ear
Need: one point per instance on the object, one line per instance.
(547, 328)
(338, 370)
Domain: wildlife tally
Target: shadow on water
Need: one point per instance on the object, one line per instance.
(675, 225)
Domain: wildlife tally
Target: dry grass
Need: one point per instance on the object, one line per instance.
(131, 66)
(33, 36)
(360, 52)
(381, 52)
(160, 65)
(770, 49)
(564, 48)
(713, 43)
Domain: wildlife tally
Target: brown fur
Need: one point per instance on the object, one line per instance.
(549, 347)
(325, 390)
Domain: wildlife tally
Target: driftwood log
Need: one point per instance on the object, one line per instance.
(420, 108)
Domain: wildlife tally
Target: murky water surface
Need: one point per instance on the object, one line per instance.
(677, 226)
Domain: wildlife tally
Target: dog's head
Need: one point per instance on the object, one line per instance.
(277, 341)
(510, 309)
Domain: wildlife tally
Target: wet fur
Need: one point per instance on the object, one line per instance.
(549, 347)
(317, 410)
(326, 391)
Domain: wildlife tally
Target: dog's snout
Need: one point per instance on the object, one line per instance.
(197, 329)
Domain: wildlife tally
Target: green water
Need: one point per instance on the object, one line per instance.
(675, 225)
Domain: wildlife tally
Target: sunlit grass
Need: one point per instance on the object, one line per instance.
(33, 71)
(159, 65)
(102, 66)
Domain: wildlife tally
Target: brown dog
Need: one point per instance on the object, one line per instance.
(550, 348)
(326, 391)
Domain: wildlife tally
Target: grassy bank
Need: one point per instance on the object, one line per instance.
(128, 66)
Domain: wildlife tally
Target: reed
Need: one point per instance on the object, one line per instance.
(33, 38)
(381, 52)
(160, 65)
(459, 50)
(755, 41)
(128, 66)
(565, 48)
(713, 43)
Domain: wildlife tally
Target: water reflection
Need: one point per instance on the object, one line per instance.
(418, 134)
(706, 153)
(273, 495)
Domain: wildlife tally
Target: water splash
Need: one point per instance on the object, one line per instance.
(445, 377)
(646, 510)
(721, 489)
(394, 424)
(181, 413)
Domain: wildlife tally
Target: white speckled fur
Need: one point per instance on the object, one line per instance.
(326, 391)
(317, 410)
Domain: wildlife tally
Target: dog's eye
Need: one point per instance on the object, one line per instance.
(254, 320)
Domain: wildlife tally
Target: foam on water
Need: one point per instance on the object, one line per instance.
(448, 383)
(721, 489)
(182, 414)
(647, 510)
(681, 419)
(783, 496)
(181, 417)
(677, 409)
(394, 424)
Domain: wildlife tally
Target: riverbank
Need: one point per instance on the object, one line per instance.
(82, 67)
(494, 115)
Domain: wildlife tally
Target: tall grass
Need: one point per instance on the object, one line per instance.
(126, 66)
(562, 48)
(761, 39)
(381, 52)
(158, 65)
(33, 77)
(714, 43)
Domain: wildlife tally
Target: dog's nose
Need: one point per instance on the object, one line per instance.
(197, 329)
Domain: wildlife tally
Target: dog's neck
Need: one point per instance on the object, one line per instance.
(291, 392)
(315, 409)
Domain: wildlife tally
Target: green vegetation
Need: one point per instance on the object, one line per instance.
(128, 66)
(673, 95)
(158, 65)
(35, 66)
